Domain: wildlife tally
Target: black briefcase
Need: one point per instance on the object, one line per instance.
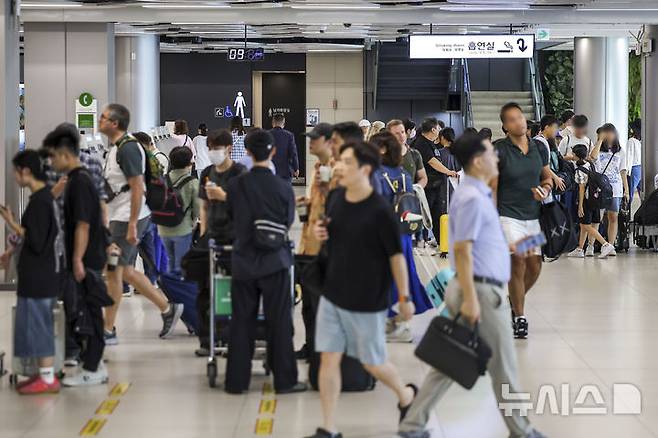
(455, 350)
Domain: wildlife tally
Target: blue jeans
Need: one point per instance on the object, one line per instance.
(176, 249)
(634, 179)
(146, 248)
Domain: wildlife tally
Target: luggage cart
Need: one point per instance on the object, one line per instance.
(220, 306)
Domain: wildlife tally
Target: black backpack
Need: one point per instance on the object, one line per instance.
(405, 203)
(647, 214)
(599, 188)
(172, 211)
(559, 229)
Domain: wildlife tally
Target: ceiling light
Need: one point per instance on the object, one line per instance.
(312, 6)
(49, 5)
(617, 9)
(184, 6)
(482, 7)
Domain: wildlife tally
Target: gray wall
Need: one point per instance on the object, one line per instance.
(192, 85)
(63, 60)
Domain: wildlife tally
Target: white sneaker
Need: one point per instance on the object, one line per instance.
(85, 378)
(578, 253)
(401, 334)
(589, 252)
(613, 253)
(606, 250)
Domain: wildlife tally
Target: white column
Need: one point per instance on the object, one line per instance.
(650, 112)
(138, 79)
(601, 82)
(9, 80)
(62, 61)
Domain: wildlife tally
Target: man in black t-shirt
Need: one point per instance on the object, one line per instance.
(437, 172)
(215, 221)
(213, 184)
(85, 250)
(365, 256)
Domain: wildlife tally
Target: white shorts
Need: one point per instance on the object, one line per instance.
(516, 229)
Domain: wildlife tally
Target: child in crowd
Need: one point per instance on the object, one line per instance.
(587, 215)
(37, 268)
(178, 239)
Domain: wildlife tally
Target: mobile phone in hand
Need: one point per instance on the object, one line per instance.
(529, 243)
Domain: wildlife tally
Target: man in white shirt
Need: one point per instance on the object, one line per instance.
(201, 147)
(129, 220)
(576, 135)
(634, 158)
(566, 120)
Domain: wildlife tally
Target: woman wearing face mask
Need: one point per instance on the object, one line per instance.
(178, 239)
(215, 222)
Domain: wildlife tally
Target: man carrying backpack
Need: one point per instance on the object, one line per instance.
(125, 168)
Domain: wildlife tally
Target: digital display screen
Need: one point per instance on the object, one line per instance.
(85, 121)
(240, 55)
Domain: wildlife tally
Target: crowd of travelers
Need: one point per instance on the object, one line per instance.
(86, 222)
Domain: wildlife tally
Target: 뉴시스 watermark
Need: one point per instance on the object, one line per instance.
(626, 400)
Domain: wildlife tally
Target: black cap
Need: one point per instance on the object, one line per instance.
(258, 139)
(320, 130)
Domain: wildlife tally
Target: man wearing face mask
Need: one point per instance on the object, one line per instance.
(212, 191)
(215, 222)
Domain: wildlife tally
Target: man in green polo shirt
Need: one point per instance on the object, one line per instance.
(524, 181)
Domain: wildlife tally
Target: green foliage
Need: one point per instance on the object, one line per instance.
(634, 87)
(558, 80)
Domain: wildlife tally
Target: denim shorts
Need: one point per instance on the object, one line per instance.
(614, 205)
(361, 335)
(34, 328)
(119, 230)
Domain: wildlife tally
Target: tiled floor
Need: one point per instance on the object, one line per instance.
(592, 322)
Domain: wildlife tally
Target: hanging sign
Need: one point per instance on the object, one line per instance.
(471, 46)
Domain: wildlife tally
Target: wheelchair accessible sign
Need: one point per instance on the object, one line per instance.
(471, 46)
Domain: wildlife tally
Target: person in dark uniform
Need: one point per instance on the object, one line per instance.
(260, 271)
(285, 158)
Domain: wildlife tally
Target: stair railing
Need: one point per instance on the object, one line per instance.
(467, 106)
(537, 92)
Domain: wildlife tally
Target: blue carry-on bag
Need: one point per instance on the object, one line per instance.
(178, 290)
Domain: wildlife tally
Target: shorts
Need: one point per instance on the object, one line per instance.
(34, 328)
(361, 335)
(614, 205)
(516, 229)
(118, 230)
(592, 216)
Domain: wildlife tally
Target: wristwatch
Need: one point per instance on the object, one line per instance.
(403, 298)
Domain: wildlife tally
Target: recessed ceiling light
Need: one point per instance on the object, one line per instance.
(49, 5)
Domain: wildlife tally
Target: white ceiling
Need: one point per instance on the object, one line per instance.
(304, 25)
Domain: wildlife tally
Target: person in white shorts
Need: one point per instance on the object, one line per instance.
(524, 181)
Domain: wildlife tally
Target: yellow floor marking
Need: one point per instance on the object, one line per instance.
(264, 426)
(267, 388)
(107, 407)
(93, 427)
(119, 389)
(267, 406)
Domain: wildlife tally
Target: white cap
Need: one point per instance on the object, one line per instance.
(364, 123)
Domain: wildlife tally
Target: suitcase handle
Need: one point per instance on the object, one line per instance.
(219, 248)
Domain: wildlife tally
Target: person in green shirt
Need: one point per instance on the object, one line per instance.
(178, 239)
(524, 181)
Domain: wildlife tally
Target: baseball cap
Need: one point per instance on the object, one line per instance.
(364, 123)
(320, 130)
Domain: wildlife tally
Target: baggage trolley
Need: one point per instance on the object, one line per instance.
(220, 306)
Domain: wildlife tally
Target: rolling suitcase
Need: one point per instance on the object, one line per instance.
(444, 242)
(624, 227)
(354, 377)
(178, 290)
(27, 367)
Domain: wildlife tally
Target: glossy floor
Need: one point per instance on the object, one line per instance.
(592, 322)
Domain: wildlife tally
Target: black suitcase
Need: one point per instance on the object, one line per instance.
(623, 242)
(354, 377)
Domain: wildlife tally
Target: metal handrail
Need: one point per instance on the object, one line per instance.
(537, 92)
(467, 106)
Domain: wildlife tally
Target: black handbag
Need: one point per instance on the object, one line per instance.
(559, 229)
(268, 235)
(455, 350)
